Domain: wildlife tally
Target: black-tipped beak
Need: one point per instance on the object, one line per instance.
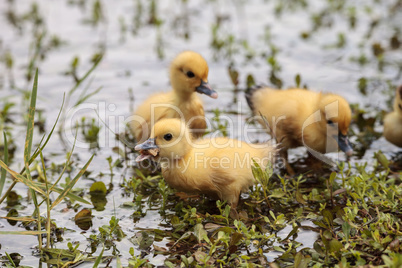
(206, 89)
(344, 144)
(146, 145)
(148, 150)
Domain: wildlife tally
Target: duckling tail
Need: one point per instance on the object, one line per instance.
(249, 95)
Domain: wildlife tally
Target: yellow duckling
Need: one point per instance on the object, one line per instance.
(188, 75)
(219, 167)
(299, 117)
(393, 121)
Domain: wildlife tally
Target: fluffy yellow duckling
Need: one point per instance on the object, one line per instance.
(219, 167)
(393, 121)
(188, 75)
(299, 117)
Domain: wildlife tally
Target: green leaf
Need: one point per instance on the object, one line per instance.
(334, 246)
(98, 186)
(332, 177)
(317, 247)
(362, 85)
(235, 238)
(346, 230)
(71, 184)
(382, 159)
(297, 80)
(143, 239)
(200, 233)
(327, 214)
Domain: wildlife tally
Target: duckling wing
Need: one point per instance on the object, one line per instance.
(393, 128)
(226, 186)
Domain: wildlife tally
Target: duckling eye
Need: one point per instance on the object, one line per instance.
(168, 137)
(190, 74)
(330, 122)
(400, 106)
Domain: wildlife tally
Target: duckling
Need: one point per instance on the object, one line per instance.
(219, 167)
(393, 121)
(188, 75)
(299, 117)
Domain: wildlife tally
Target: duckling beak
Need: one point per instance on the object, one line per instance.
(206, 89)
(344, 144)
(148, 149)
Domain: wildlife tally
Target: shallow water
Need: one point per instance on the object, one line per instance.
(134, 64)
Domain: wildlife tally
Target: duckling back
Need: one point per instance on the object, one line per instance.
(301, 117)
(285, 111)
(393, 121)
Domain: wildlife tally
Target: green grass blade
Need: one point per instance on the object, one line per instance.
(10, 259)
(85, 76)
(67, 162)
(22, 232)
(44, 172)
(23, 219)
(33, 190)
(72, 196)
(71, 184)
(118, 262)
(99, 258)
(3, 171)
(20, 178)
(36, 153)
(31, 120)
(81, 100)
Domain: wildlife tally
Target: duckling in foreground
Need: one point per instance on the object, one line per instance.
(393, 121)
(299, 117)
(219, 167)
(188, 75)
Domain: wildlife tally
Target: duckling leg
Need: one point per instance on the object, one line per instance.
(284, 155)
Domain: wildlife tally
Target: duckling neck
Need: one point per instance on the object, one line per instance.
(183, 94)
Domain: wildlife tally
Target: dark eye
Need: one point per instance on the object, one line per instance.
(400, 106)
(190, 74)
(168, 137)
(330, 122)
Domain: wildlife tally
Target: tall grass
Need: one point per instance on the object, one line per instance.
(40, 192)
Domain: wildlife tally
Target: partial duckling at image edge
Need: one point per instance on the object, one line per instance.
(393, 121)
(188, 76)
(219, 167)
(299, 117)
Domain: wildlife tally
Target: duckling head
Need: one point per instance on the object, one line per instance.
(336, 116)
(398, 101)
(170, 139)
(189, 73)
